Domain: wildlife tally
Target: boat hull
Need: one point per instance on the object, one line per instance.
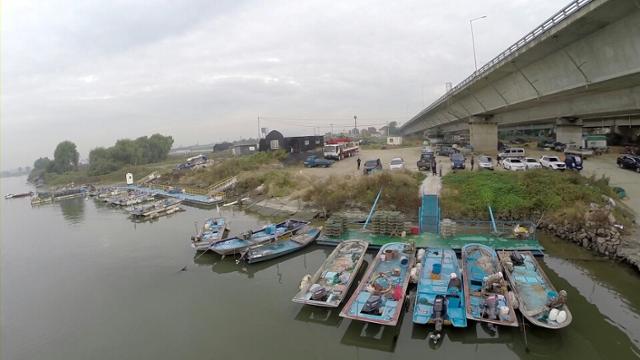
(435, 281)
(479, 261)
(380, 296)
(281, 248)
(347, 258)
(237, 245)
(532, 287)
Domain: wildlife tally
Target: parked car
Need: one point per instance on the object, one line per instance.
(573, 162)
(445, 151)
(485, 162)
(629, 162)
(314, 161)
(544, 144)
(457, 161)
(574, 149)
(552, 162)
(513, 164)
(558, 146)
(532, 163)
(424, 163)
(396, 164)
(371, 166)
(511, 153)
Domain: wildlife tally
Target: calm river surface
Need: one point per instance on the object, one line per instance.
(81, 281)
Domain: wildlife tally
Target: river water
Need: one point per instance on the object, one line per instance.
(81, 281)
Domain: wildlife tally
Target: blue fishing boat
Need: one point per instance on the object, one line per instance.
(213, 230)
(381, 293)
(330, 284)
(272, 250)
(538, 300)
(485, 289)
(439, 297)
(237, 244)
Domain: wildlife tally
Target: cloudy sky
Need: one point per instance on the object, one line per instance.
(94, 71)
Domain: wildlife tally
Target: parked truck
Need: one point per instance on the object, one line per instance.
(340, 148)
(424, 163)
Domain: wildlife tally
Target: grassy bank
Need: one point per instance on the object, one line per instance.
(524, 195)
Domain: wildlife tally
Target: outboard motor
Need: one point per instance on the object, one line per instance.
(439, 311)
(372, 306)
(516, 258)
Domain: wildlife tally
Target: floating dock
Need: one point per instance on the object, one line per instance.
(186, 198)
(426, 239)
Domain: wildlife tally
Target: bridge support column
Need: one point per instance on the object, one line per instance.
(569, 131)
(483, 135)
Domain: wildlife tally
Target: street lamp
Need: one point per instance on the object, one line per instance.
(473, 41)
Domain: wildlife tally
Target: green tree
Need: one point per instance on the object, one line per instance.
(65, 157)
(41, 163)
(101, 162)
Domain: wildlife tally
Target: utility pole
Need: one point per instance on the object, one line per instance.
(259, 129)
(473, 41)
(355, 122)
(331, 129)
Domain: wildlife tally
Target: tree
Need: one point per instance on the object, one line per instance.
(41, 163)
(101, 162)
(65, 157)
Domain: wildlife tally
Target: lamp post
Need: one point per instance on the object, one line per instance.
(473, 41)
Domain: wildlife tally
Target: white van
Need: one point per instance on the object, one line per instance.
(511, 153)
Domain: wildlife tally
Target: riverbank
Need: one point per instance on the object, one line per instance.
(579, 209)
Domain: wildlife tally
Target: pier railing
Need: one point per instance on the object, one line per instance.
(522, 230)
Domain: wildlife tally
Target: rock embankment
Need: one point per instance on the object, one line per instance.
(598, 232)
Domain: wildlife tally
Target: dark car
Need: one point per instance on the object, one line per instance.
(558, 146)
(371, 166)
(457, 161)
(445, 151)
(425, 161)
(629, 162)
(573, 162)
(314, 161)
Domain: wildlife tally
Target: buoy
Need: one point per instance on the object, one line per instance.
(553, 314)
(562, 316)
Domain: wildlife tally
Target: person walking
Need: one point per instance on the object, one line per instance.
(440, 168)
(358, 161)
(471, 162)
(434, 171)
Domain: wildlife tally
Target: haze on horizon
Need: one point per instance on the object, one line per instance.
(202, 71)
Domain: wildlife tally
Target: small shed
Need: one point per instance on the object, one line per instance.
(394, 140)
(244, 149)
(273, 141)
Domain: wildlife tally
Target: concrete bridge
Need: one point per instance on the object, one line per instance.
(580, 68)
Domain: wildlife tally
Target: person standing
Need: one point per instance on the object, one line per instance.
(434, 171)
(358, 161)
(471, 162)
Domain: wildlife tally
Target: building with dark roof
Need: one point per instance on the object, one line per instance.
(295, 144)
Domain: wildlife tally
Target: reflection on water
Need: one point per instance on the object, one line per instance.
(73, 209)
(114, 291)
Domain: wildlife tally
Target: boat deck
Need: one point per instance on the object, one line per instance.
(435, 241)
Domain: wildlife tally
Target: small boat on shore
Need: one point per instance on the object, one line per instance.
(41, 198)
(538, 300)
(237, 244)
(440, 295)
(213, 230)
(381, 293)
(271, 250)
(330, 284)
(19, 195)
(486, 295)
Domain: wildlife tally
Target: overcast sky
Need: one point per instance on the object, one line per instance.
(95, 71)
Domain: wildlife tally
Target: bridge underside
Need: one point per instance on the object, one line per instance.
(586, 71)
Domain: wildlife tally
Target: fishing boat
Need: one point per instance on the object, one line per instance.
(213, 230)
(330, 284)
(538, 300)
(156, 209)
(381, 293)
(272, 250)
(19, 195)
(485, 290)
(439, 297)
(237, 244)
(41, 198)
